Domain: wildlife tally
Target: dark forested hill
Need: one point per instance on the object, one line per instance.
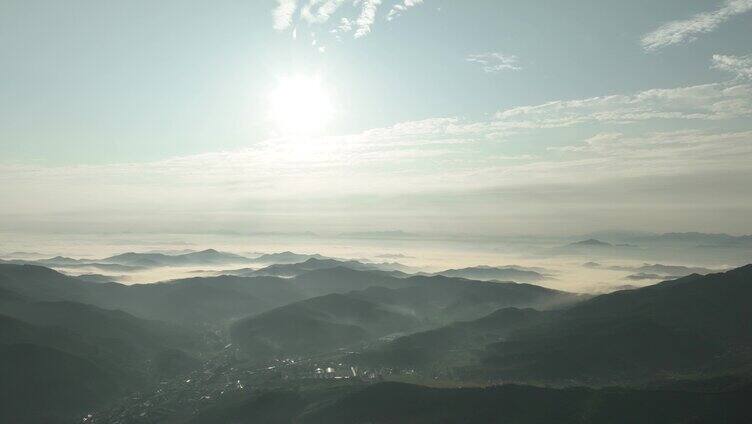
(401, 403)
(696, 325)
(111, 338)
(329, 322)
(316, 325)
(39, 384)
(507, 273)
(396, 403)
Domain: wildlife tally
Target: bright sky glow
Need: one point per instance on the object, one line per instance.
(300, 105)
(331, 116)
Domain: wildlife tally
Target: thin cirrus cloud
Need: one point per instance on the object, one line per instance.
(495, 62)
(699, 146)
(283, 13)
(612, 168)
(399, 8)
(687, 30)
(319, 11)
(359, 18)
(711, 102)
(366, 18)
(741, 66)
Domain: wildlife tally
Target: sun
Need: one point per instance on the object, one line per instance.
(300, 105)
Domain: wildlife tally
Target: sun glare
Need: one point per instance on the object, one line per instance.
(300, 105)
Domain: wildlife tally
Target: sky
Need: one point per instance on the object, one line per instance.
(433, 116)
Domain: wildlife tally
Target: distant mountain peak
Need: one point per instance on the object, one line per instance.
(208, 256)
(316, 260)
(486, 272)
(591, 242)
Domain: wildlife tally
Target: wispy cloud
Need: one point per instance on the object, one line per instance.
(366, 18)
(665, 153)
(398, 9)
(319, 11)
(338, 17)
(495, 62)
(739, 65)
(283, 13)
(345, 25)
(650, 171)
(710, 102)
(684, 31)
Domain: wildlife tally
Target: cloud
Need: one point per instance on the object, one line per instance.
(685, 31)
(345, 25)
(337, 17)
(398, 9)
(669, 153)
(495, 62)
(696, 145)
(739, 65)
(617, 155)
(319, 11)
(674, 106)
(362, 178)
(366, 18)
(282, 15)
(713, 101)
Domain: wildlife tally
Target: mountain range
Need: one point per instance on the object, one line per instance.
(505, 273)
(384, 306)
(695, 325)
(679, 348)
(313, 264)
(654, 269)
